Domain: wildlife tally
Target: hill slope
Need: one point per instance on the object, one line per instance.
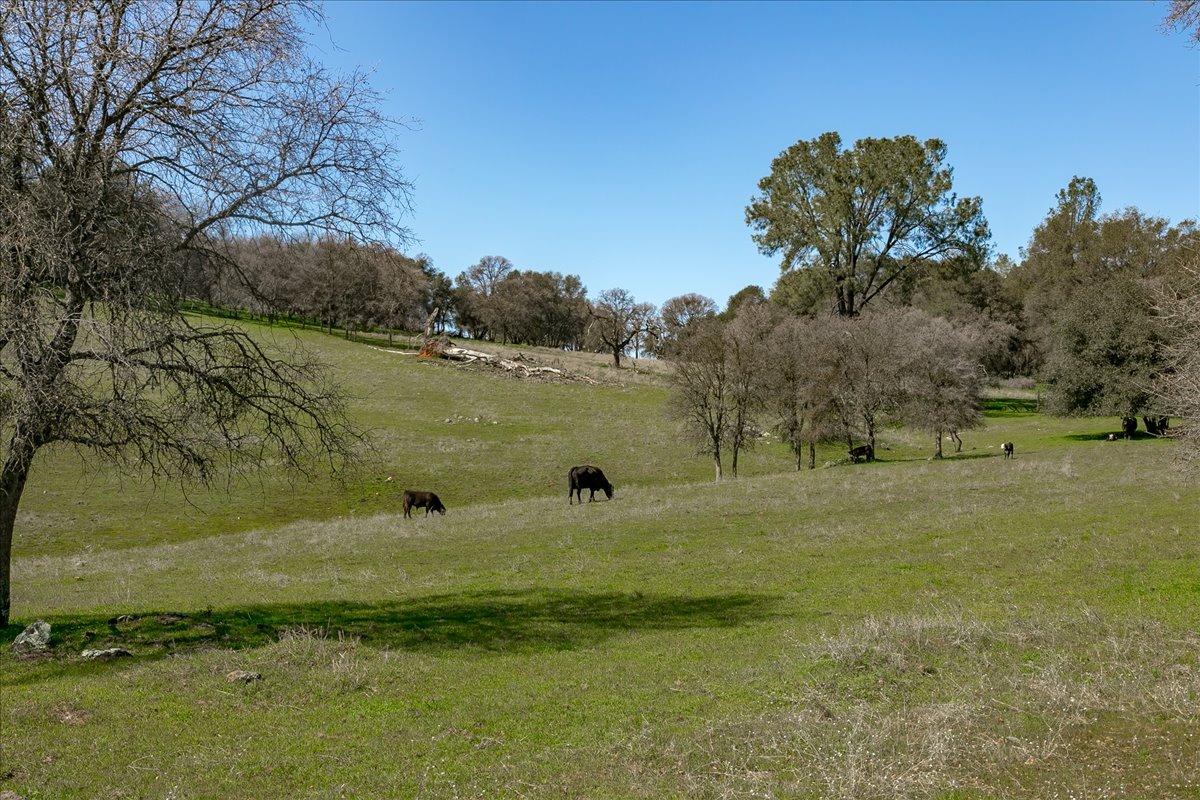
(971, 628)
(469, 434)
(1021, 627)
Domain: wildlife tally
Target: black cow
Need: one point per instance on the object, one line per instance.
(590, 478)
(864, 452)
(1007, 447)
(426, 500)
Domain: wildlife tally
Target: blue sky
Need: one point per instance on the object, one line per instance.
(622, 141)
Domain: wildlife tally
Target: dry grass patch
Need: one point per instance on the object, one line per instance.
(940, 705)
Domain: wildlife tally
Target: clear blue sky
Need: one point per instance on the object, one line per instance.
(622, 141)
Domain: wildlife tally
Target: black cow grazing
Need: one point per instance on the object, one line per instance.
(864, 452)
(426, 500)
(1008, 449)
(590, 478)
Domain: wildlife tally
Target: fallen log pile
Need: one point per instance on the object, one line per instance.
(518, 365)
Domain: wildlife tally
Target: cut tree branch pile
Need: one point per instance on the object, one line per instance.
(518, 365)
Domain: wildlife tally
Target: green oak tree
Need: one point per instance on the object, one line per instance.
(865, 215)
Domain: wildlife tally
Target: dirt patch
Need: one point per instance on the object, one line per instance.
(69, 714)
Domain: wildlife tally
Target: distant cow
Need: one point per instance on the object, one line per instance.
(426, 500)
(590, 478)
(1007, 447)
(864, 452)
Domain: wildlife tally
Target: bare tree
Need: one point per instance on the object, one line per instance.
(865, 382)
(618, 319)
(476, 286)
(799, 384)
(1178, 385)
(1184, 16)
(133, 134)
(939, 380)
(747, 340)
(401, 287)
(701, 396)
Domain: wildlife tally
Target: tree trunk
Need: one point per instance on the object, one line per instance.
(12, 484)
(617, 357)
(733, 462)
(812, 455)
(717, 461)
(938, 454)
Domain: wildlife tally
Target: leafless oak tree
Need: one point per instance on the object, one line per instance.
(747, 340)
(1184, 16)
(800, 386)
(136, 137)
(939, 378)
(618, 319)
(1179, 384)
(702, 396)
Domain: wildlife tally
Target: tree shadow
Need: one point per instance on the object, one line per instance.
(1103, 436)
(945, 459)
(497, 621)
(1009, 406)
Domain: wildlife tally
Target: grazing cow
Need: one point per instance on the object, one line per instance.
(426, 500)
(590, 478)
(1112, 437)
(864, 452)
(1008, 449)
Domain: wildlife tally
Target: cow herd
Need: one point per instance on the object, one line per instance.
(593, 479)
(578, 479)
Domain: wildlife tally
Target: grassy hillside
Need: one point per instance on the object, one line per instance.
(972, 628)
(470, 435)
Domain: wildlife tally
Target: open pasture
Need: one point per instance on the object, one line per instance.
(971, 628)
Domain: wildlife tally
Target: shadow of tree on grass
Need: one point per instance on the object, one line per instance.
(1102, 436)
(496, 621)
(1009, 406)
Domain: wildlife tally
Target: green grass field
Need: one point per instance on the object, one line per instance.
(969, 628)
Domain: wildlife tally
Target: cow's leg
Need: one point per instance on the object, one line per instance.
(591, 495)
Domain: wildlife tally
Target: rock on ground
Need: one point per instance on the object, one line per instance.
(243, 676)
(104, 655)
(34, 639)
